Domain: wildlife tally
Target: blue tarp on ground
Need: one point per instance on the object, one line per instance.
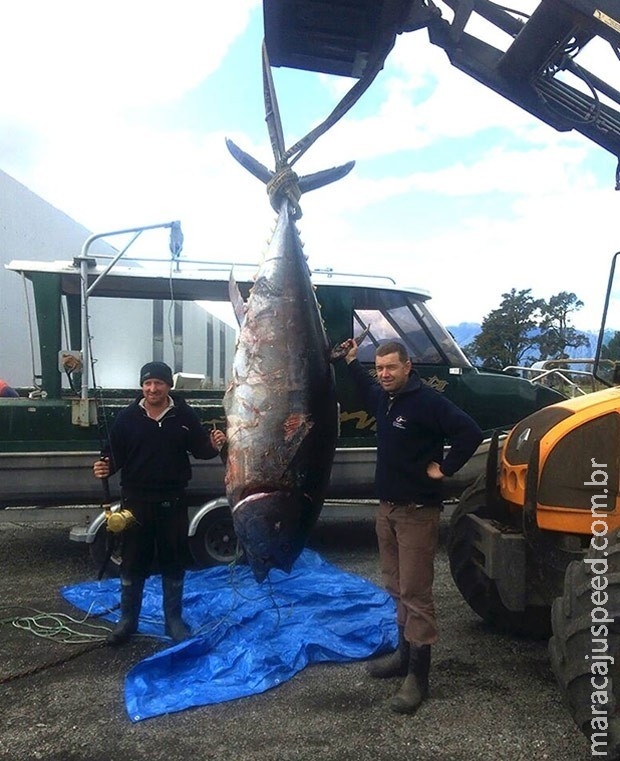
(248, 637)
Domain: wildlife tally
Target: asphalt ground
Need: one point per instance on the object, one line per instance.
(493, 697)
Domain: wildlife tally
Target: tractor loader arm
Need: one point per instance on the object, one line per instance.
(540, 68)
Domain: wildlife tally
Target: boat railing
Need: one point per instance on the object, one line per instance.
(176, 246)
(202, 266)
(88, 285)
(560, 373)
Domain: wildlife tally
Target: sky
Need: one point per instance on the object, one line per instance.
(117, 113)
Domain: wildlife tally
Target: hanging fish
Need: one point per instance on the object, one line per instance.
(281, 407)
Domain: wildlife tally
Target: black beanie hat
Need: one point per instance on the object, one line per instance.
(157, 370)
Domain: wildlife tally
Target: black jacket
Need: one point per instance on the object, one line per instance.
(153, 455)
(412, 428)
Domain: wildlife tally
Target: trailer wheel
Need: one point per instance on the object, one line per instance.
(579, 645)
(98, 551)
(478, 590)
(214, 541)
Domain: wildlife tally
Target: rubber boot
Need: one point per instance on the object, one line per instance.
(394, 664)
(414, 690)
(131, 603)
(172, 587)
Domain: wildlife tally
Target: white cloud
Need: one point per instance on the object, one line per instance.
(71, 59)
(455, 189)
(84, 75)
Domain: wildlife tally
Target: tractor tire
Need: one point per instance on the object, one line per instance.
(215, 541)
(478, 590)
(578, 643)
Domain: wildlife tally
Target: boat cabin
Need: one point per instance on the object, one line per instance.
(95, 321)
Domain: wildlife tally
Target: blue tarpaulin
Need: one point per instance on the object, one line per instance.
(247, 637)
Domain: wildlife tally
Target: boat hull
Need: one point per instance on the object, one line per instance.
(55, 478)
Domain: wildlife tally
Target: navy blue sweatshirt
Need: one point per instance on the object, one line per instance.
(152, 455)
(412, 428)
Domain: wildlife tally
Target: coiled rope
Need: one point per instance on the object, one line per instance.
(284, 185)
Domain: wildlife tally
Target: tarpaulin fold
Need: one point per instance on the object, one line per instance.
(247, 637)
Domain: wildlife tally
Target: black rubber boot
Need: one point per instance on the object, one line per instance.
(172, 587)
(414, 690)
(131, 602)
(394, 664)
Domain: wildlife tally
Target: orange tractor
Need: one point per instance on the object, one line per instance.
(534, 544)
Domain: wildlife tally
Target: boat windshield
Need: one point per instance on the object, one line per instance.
(399, 316)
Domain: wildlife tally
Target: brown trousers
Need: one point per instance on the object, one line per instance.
(408, 538)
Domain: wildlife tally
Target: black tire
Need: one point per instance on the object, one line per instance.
(98, 553)
(573, 644)
(215, 541)
(478, 590)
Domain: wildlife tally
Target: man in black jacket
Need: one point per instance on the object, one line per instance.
(413, 423)
(149, 443)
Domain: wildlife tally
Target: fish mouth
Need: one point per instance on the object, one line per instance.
(272, 527)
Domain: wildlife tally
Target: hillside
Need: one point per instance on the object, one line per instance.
(465, 332)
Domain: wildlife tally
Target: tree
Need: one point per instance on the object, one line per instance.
(509, 333)
(610, 356)
(611, 349)
(556, 332)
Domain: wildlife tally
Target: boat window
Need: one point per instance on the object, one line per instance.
(441, 335)
(397, 316)
(195, 342)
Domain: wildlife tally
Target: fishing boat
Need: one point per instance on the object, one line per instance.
(96, 318)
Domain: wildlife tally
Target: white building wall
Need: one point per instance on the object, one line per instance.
(122, 331)
(121, 340)
(30, 228)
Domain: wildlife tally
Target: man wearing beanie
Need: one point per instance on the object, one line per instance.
(149, 444)
(157, 370)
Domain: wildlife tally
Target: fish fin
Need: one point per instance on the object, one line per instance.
(316, 180)
(248, 162)
(236, 299)
(306, 183)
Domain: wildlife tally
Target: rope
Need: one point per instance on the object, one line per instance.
(177, 352)
(51, 664)
(53, 626)
(285, 185)
(59, 627)
(295, 152)
(265, 592)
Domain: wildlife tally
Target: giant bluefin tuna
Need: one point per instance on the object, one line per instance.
(281, 407)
